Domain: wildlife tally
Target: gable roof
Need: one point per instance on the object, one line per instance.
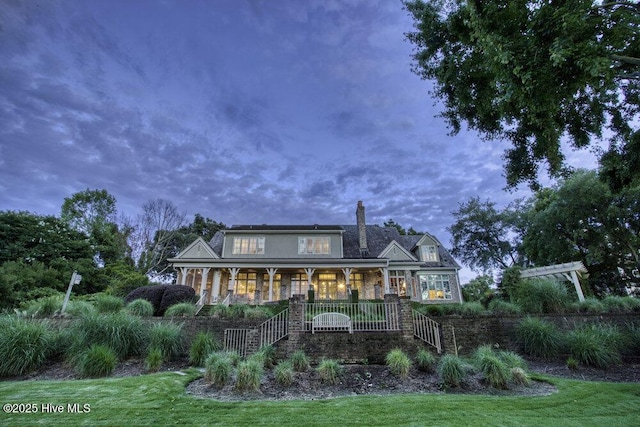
(198, 249)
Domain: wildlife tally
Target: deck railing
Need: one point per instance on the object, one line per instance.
(275, 328)
(365, 316)
(237, 340)
(427, 330)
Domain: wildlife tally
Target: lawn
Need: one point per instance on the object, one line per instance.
(160, 399)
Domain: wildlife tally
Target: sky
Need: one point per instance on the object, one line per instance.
(245, 111)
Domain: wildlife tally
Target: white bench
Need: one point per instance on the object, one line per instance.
(331, 322)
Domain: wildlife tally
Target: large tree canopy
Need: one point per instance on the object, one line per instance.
(535, 73)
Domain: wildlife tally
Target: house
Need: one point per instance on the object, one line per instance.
(258, 264)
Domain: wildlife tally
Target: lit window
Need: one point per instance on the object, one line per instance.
(248, 245)
(314, 245)
(429, 253)
(397, 282)
(435, 286)
(299, 284)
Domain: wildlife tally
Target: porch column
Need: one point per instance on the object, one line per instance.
(271, 272)
(203, 284)
(232, 281)
(183, 278)
(347, 272)
(309, 273)
(216, 286)
(385, 277)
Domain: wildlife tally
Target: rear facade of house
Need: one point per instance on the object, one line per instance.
(258, 264)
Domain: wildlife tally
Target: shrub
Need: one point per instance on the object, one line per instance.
(25, 345)
(79, 308)
(473, 308)
(257, 313)
(162, 296)
(539, 338)
(218, 368)
(249, 375)
(542, 296)
(500, 306)
(97, 361)
(451, 370)
(618, 304)
(494, 370)
(520, 377)
(595, 345)
(237, 311)
(140, 307)
(283, 373)
(268, 354)
(632, 339)
(512, 360)
(589, 305)
(108, 303)
(329, 371)
(167, 337)
(398, 363)
(183, 309)
(572, 363)
(203, 344)
(44, 307)
(154, 359)
(300, 361)
(434, 310)
(425, 361)
(125, 334)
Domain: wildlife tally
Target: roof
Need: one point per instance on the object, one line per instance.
(378, 238)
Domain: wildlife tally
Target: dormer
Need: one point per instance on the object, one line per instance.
(427, 249)
(395, 252)
(199, 249)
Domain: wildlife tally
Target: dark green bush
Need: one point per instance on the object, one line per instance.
(154, 360)
(218, 368)
(425, 361)
(183, 309)
(398, 363)
(494, 370)
(168, 338)
(451, 370)
(25, 345)
(499, 306)
(45, 306)
(163, 296)
(248, 375)
(589, 305)
(284, 373)
(542, 296)
(329, 371)
(96, 361)
(108, 303)
(619, 304)
(539, 338)
(595, 345)
(125, 334)
(140, 307)
(300, 361)
(203, 344)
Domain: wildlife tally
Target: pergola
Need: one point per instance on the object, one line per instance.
(570, 271)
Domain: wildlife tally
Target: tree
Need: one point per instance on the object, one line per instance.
(157, 226)
(478, 289)
(93, 212)
(484, 237)
(392, 223)
(534, 73)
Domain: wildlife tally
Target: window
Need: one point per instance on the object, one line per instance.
(327, 287)
(314, 245)
(397, 282)
(429, 253)
(299, 284)
(277, 281)
(356, 281)
(248, 245)
(246, 284)
(435, 286)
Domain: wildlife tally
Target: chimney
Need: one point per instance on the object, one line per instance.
(362, 230)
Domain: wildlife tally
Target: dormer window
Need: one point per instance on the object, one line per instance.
(314, 245)
(429, 253)
(248, 245)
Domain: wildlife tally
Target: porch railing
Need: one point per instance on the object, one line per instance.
(426, 329)
(365, 316)
(275, 328)
(237, 340)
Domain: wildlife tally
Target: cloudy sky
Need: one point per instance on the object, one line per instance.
(245, 111)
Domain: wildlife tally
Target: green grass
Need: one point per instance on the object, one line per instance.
(160, 399)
